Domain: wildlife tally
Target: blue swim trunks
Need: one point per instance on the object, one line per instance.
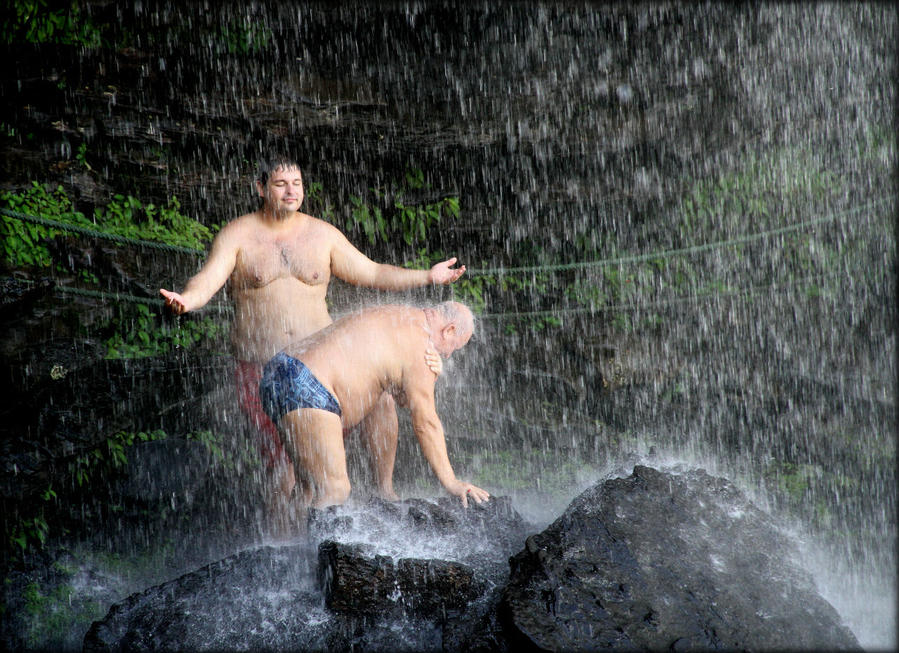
(287, 384)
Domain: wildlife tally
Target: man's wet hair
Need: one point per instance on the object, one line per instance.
(457, 313)
(268, 165)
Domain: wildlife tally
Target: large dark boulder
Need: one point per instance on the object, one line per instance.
(414, 575)
(661, 561)
(258, 599)
(649, 562)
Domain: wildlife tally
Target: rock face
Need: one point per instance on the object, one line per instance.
(356, 581)
(361, 588)
(658, 561)
(649, 562)
(247, 601)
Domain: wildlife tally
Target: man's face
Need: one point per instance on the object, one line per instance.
(283, 192)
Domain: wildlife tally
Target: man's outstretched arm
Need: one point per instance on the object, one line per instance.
(212, 276)
(352, 266)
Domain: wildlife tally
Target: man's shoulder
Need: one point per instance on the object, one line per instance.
(322, 226)
(395, 314)
(242, 223)
(406, 325)
(395, 321)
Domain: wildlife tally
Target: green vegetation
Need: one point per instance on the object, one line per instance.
(37, 22)
(125, 216)
(137, 333)
(128, 217)
(52, 615)
(34, 528)
(243, 37)
(96, 465)
(22, 240)
(736, 235)
(32, 21)
(759, 191)
(529, 469)
(792, 480)
(389, 218)
(111, 456)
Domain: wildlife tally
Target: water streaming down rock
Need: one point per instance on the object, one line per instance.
(630, 565)
(571, 133)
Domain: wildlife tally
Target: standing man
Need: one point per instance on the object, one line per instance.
(319, 386)
(278, 262)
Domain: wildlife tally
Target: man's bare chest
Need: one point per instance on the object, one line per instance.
(261, 262)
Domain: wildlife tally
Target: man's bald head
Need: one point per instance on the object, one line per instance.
(458, 314)
(456, 328)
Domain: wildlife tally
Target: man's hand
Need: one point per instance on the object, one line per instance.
(443, 273)
(465, 490)
(174, 301)
(432, 358)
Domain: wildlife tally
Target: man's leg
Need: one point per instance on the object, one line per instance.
(281, 518)
(379, 431)
(279, 477)
(314, 441)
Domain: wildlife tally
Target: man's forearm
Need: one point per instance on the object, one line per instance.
(433, 446)
(196, 294)
(391, 277)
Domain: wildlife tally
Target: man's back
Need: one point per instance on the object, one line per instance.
(364, 354)
(316, 389)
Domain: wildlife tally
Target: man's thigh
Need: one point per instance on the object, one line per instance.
(314, 440)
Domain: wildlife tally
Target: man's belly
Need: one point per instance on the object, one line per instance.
(268, 320)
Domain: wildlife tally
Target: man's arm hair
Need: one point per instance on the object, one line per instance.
(218, 267)
(354, 267)
(419, 389)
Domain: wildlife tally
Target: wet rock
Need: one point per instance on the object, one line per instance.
(171, 470)
(665, 561)
(74, 403)
(369, 595)
(481, 536)
(18, 296)
(256, 599)
(652, 561)
(356, 581)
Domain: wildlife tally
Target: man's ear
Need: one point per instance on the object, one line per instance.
(448, 332)
(260, 188)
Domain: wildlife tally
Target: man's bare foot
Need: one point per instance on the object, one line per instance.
(286, 520)
(389, 495)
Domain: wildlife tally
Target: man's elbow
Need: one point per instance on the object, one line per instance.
(428, 429)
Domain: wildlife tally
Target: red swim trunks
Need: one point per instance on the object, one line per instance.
(247, 376)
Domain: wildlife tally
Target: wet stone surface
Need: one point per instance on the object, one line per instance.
(661, 561)
(657, 560)
(342, 594)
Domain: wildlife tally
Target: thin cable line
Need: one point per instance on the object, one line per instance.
(638, 258)
(546, 313)
(86, 231)
(688, 299)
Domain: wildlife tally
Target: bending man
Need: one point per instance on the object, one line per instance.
(278, 262)
(313, 389)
